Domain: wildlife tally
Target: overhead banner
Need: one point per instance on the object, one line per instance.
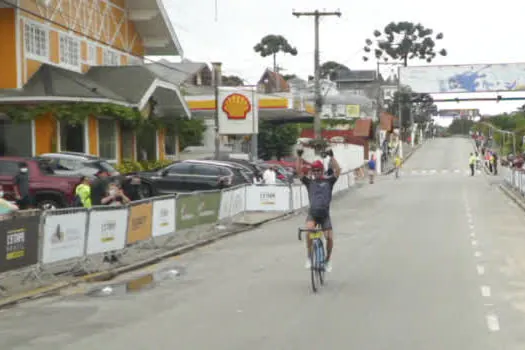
(464, 78)
(238, 110)
(353, 111)
(64, 236)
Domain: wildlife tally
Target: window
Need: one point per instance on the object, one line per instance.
(111, 58)
(91, 55)
(107, 139)
(127, 143)
(15, 138)
(36, 41)
(69, 51)
(8, 168)
(180, 169)
(206, 170)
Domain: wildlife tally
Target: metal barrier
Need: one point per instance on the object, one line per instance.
(68, 240)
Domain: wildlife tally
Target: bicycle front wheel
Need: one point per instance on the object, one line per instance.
(321, 261)
(313, 268)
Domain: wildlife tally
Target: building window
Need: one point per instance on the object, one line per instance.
(107, 139)
(111, 58)
(37, 41)
(15, 138)
(91, 55)
(127, 143)
(69, 51)
(72, 137)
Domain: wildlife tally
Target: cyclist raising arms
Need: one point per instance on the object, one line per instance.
(320, 195)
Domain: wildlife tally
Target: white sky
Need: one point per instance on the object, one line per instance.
(474, 33)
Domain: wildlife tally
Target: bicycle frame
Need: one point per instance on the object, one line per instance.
(317, 254)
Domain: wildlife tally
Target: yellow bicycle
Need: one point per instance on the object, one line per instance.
(317, 255)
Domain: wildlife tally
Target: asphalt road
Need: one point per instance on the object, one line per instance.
(430, 261)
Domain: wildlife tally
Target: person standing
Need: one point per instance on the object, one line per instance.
(99, 188)
(472, 163)
(270, 176)
(83, 192)
(397, 163)
(24, 199)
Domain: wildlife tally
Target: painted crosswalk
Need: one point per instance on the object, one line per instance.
(422, 172)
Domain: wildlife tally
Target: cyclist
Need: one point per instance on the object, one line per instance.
(320, 195)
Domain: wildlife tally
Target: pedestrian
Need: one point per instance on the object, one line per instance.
(270, 176)
(83, 193)
(472, 163)
(397, 163)
(114, 197)
(495, 163)
(99, 187)
(24, 199)
(371, 169)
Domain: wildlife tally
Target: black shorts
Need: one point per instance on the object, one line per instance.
(322, 219)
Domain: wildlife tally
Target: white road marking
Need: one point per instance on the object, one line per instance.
(444, 171)
(493, 323)
(456, 170)
(481, 270)
(433, 171)
(477, 254)
(471, 226)
(474, 242)
(485, 291)
(473, 234)
(423, 171)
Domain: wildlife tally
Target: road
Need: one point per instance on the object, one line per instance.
(434, 260)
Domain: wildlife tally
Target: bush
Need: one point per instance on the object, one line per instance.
(129, 166)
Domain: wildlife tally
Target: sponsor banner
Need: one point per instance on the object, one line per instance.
(296, 197)
(107, 230)
(238, 111)
(464, 78)
(268, 198)
(238, 201)
(139, 222)
(64, 236)
(197, 209)
(226, 204)
(163, 217)
(19, 242)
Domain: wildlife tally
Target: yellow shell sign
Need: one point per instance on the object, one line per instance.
(236, 106)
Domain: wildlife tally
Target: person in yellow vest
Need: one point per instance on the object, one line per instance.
(397, 162)
(472, 163)
(83, 193)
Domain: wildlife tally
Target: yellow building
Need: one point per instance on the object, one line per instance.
(84, 52)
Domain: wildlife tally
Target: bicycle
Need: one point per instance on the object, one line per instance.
(317, 255)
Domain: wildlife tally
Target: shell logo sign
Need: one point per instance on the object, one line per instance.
(236, 106)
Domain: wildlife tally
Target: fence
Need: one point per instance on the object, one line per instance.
(74, 236)
(514, 178)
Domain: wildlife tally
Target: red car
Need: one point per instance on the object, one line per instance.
(289, 164)
(49, 191)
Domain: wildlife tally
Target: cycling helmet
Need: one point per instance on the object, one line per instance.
(317, 165)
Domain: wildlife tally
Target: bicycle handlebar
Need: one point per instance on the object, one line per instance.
(301, 230)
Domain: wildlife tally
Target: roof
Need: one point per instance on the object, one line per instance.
(176, 73)
(152, 23)
(363, 128)
(386, 121)
(357, 76)
(274, 81)
(131, 86)
(348, 135)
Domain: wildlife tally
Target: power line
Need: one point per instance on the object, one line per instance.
(318, 98)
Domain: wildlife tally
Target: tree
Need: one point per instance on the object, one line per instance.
(414, 106)
(276, 140)
(403, 41)
(332, 69)
(460, 126)
(271, 45)
(189, 131)
(232, 80)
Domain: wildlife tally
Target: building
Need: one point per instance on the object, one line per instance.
(73, 77)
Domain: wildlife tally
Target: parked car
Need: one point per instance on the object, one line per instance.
(194, 175)
(77, 164)
(289, 164)
(282, 174)
(49, 190)
(251, 168)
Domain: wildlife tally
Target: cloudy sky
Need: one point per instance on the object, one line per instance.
(474, 33)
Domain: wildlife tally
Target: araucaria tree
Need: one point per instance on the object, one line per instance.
(271, 45)
(404, 41)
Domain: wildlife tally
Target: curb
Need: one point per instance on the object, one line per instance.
(512, 195)
(42, 292)
(390, 171)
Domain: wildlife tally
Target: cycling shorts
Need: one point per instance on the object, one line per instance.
(321, 218)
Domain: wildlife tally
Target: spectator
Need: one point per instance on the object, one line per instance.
(24, 199)
(495, 163)
(83, 193)
(6, 207)
(270, 176)
(99, 187)
(114, 197)
(132, 189)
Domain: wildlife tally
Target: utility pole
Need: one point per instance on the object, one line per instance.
(217, 81)
(317, 87)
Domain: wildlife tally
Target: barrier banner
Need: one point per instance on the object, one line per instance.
(163, 217)
(64, 236)
(139, 222)
(107, 230)
(296, 197)
(19, 242)
(238, 201)
(226, 204)
(197, 209)
(268, 198)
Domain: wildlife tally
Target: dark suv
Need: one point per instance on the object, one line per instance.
(195, 175)
(49, 190)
